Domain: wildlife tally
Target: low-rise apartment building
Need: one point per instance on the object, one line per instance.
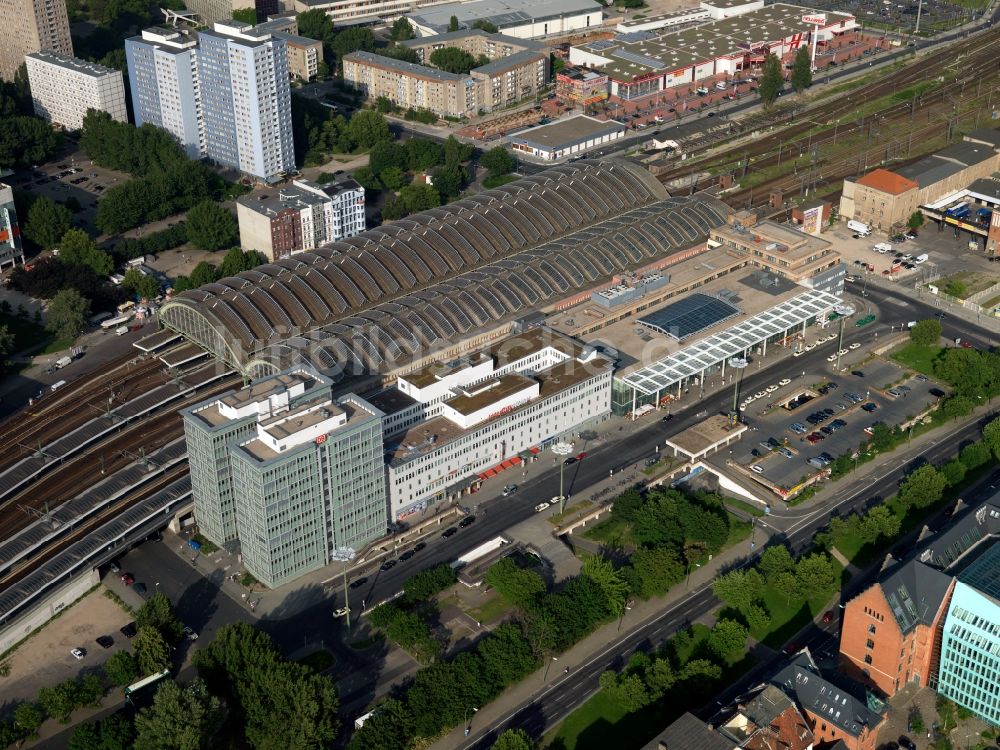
(63, 88)
(279, 222)
(304, 56)
(517, 70)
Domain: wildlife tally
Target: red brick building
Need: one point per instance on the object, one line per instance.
(891, 632)
(770, 721)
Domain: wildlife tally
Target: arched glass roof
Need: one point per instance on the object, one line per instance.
(441, 274)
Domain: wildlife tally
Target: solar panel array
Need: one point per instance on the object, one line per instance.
(688, 316)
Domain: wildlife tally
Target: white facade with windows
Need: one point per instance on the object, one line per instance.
(540, 387)
(63, 89)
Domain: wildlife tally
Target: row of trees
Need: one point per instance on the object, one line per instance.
(235, 261)
(166, 180)
(772, 79)
(318, 132)
(406, 620)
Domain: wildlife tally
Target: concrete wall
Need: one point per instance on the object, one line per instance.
(46, 608)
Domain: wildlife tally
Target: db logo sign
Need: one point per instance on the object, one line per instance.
(819, 19)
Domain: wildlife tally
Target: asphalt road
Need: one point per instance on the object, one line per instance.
(201, 605)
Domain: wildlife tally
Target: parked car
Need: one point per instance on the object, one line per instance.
(127, 579)
(466, 522)
(139, 588)
(358, 582)
(190, 634)
(757, 469)
(105, 641)
(128, 631)
(857, 373)
(509, 489)
(407, 555)
(870, 406)
(569, 461)
(387, 565)
(449, 532)
(540, 507)
(78, 653)
(419, 546)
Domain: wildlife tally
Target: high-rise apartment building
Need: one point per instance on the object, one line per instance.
(287, 471)
(28, 26)
(11, 249)
(163, 77)
(246, 99)
(303, 216)
(64, 88)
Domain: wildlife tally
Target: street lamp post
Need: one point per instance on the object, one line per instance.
(739, 364)
(345, 555)
(843, 311)
(468, 721)
(548, 663)
(562, 449)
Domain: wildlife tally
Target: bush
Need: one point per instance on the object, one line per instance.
(420, 115)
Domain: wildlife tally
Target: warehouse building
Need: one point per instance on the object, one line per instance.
(737, 39)
(518, 70)
(885, 199)
(479, 415)
(446, 280)
(518, 18)
(566, 137)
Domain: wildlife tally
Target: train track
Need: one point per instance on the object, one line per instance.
(108, 456)
(824, 124)
(90, 524)
(70, 407)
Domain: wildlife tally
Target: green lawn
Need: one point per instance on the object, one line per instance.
(611, 531)
(496, 180)
(920, 358)
(788, 617)
(489, 610)
(753, 510)
(601, 723)
(27, 335)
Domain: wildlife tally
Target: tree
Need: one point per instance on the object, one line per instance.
(121, 668)
(771, 81)
(926, 332)
(514, 739)
(428, 583)
(774, 561)
(386, 154)
(144, 287)
(453, 60)
(419, 196)
(393, 178)
(628, 690)
(506, 656)
(657, 570)
(449, 180)
(316, 24)
(393, 208)
(158, 613)
(47, 222)
(77, 249)
(113, 733)
(212, 227)
(816, 574)
(515, 585)
(728, 639)
(204, 273)
(180, 718)
(59, 700)
(757, 618)
(401, 30)
(367, 179)
(67, 314)
(739, 588)
(390, 727)
(922, 487)
(422, 154)
(246, 15)
(954, 472)
(456, 152)
(498, 161)
(975, 455)
(802, 76)
(7, 340)
(991, 436)
(610, 582)
(366, 128)
(453, 23)
(237, 261)
(28, 717)
(352, 39)
(151, 650)
(26, 140)
(482, 23)
(877, 523)
(916, 220)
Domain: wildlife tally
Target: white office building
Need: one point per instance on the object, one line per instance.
(163, 77)
(452, 425)
(246, 99)
(63, 88)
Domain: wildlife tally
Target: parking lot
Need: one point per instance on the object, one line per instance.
(828, 416)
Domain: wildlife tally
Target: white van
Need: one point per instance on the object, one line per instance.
(920, 259)
(121, 330)
(883, 248)
(701, 91)
(722, 85)
(859, 227)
